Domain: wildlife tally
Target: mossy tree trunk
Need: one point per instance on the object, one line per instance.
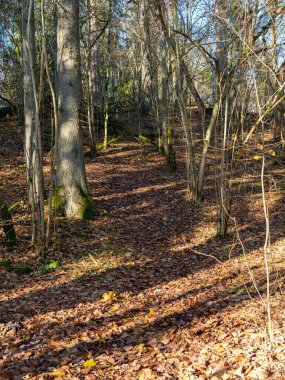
(71, 176)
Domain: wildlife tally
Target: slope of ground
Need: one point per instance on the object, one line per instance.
(146, 290)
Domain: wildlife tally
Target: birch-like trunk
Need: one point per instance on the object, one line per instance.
(94, 58)
(72, 193)
(94, 103)
(33, 149)
(107, 79)
(178, 66)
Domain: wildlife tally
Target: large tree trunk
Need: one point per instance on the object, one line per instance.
(72, 191)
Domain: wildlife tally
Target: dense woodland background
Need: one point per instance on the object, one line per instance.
(142, 189)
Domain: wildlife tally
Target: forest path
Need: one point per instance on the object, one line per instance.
(133, 291)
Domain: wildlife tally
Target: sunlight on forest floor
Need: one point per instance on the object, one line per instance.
(146, 290)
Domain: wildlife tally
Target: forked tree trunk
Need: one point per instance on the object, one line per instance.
(72, 193)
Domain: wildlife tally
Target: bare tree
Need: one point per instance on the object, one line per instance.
(33, 145)
(72, 190)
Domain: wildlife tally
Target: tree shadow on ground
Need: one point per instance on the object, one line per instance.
(197, 311)
(159, 226)
(153, 223)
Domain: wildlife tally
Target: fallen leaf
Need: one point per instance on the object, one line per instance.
(56, 373)
(219, 349)
(145, 374)
(257, 373)
(239, 372)
(109, 297)
(115, 308)
(272, 153)
(89, 363)
(142, 348)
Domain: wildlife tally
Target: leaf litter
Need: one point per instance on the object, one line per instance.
(130, 298)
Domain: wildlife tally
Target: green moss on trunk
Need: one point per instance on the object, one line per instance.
(84, 207)
(87, 207)
(57, 201)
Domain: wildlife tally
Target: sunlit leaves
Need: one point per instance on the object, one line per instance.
(89, 363)
(56, 374)
(272, 153)
(109, 297)
(115, 308)
(145, 374)
(142, 348)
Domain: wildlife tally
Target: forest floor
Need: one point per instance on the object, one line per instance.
(146, 290)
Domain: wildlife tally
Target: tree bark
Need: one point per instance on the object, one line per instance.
(6, 223)
(33, 145)
(72, 193)
(95, 75)
(94, 101)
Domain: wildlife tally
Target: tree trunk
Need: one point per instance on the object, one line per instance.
(95, 75)
(33, 146)
(190, 152)
(107, 79)
(167, 147)
(6, 223)
(173, 47)
(72, 194)
(94, 103)
(212, 124)
(152, 68)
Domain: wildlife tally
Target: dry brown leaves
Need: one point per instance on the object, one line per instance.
(131, 299)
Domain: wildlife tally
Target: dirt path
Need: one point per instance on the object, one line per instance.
(168, 311)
